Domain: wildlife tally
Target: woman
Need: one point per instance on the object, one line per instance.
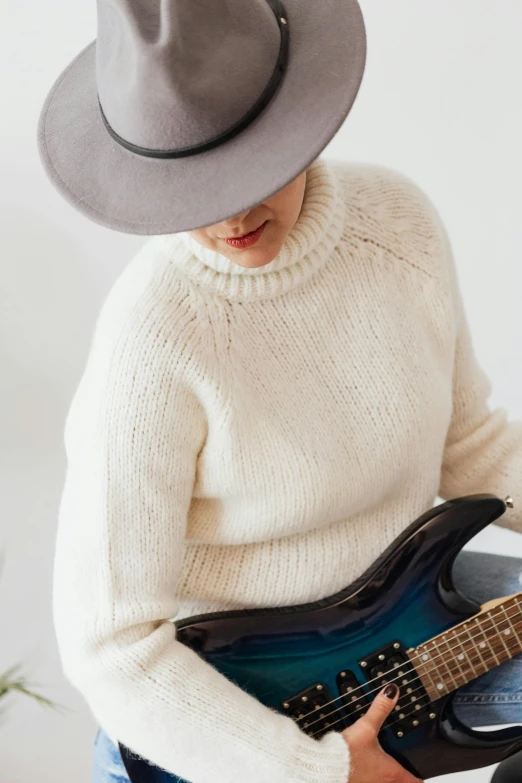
(281, 380)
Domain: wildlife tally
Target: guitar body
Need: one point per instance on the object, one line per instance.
(405, 598)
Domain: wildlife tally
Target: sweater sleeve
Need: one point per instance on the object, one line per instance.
(483, 450)
(132, 437)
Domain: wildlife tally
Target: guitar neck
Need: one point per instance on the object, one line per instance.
(470, 649)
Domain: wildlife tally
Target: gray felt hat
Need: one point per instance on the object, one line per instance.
(183, 113)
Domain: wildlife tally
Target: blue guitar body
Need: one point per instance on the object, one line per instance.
(327, 649)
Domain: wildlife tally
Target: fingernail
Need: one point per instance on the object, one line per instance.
(391, 691)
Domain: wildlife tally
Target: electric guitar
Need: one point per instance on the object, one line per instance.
(402, 621)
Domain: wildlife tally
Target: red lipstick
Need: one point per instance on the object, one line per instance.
(248, 239)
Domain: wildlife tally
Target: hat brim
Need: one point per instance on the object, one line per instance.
(135, 194)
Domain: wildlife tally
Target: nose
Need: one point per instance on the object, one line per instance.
(235, 221)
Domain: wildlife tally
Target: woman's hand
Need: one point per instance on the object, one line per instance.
(369, 762)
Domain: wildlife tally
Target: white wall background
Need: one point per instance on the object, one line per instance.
(441, 101)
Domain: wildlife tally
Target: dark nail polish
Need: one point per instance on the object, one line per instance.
(391, 691)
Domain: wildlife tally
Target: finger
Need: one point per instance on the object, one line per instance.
(381, 707)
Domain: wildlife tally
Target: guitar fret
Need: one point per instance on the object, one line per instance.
(472, 648)
(508, 633)
(435, 656)
(461, 656)
(485, 642)
(500, 636)
(445, 641)
(434, 688)
(512, 627)
(472, 640)
(427, 671)
(515, 600)
(512, 621)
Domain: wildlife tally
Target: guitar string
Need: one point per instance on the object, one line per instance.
(480, 658)
(364, 695)
(404, 710)
(420, 655)
(416, 677)
(409, 709)
(412, 712)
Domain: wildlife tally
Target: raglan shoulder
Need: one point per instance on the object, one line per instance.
(387, 208)
(147, 333)
(146, 287)
(150, 311)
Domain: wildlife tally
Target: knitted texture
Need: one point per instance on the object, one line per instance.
(252, 438)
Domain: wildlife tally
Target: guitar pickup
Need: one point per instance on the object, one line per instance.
(313, 711)
(353, 699)
(392, 664)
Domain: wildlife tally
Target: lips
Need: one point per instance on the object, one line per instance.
(247, 239)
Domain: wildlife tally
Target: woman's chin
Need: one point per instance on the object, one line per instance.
(253, 257)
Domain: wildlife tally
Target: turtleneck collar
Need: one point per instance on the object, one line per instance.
(305, 249)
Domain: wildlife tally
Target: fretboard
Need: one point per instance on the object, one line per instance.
(470, 649)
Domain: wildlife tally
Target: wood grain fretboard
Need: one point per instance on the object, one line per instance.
(470, 649)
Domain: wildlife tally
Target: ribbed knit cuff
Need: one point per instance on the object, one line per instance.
(322, 761)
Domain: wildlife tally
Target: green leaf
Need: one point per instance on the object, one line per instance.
(11, 681)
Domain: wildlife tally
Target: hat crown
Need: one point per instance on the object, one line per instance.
(176, 73)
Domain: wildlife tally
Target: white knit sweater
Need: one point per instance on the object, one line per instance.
(256, 437)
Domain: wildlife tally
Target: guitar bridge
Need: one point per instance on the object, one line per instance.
(392, 664)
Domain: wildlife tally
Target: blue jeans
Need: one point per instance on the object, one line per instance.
(492, 699)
